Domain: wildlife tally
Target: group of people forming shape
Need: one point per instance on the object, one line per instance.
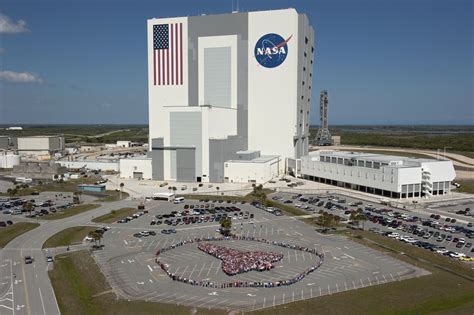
(235, 262)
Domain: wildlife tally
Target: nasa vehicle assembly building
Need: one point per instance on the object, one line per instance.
(220, 85)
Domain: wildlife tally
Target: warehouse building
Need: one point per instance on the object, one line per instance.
(40, 146)
(222, 84)
(385, 175)
(4, 142)
(251, 167)
(139, 167)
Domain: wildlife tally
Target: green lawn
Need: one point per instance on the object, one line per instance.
(12, 231)
(69, 212)
(69, 236)
(115, 215)
(81, 288)
(467, 186)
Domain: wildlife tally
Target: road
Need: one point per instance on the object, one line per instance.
(27, 289)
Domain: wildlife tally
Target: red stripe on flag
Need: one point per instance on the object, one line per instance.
(177, 52)
(159, 73)
(171, 47)
(181, 50)
(167, 66)
(154, 67)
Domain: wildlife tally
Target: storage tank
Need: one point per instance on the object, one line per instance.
(8, 160)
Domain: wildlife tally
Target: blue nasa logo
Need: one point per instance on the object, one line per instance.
(271, 50)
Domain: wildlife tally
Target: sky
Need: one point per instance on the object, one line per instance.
(383, 62)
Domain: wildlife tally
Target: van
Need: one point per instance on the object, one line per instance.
(179, 200)
(184, 187)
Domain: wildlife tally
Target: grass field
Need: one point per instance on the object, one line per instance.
(81, 288)
(68, 186)
(115, 215)
(69, 212)
(462, 141)
(12, 231)
(69, 236)
(108, 195)
(442, 292)
(467, 186)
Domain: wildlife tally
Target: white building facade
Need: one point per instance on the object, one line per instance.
(389, 176)
(136, 167)
(220, 84)
(40, 145)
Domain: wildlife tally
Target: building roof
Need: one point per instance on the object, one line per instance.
(391, 160)
(260, 159)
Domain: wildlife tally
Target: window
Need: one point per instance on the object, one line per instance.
(304, 68)
(303, 82)
(305, 53)
(301, 111)
(309, 87)
(302, 97)
(134, 168)
(306, 40)
(309, 100)
(312, 49)
(310, 75)
(311, 61)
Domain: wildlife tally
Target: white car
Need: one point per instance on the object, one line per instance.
(393, 235)
(88, 239)
(442, 251)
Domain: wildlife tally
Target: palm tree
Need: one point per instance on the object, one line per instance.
(121, 189)
(96, 236)
(28, 207)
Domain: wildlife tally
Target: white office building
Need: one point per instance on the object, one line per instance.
(228, 83)
(389, 176)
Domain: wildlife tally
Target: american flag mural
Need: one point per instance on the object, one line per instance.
(168, 54)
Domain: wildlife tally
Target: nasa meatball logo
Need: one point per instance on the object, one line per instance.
(271, 50)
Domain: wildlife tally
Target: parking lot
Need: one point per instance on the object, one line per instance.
(129, 261)
(428, 228)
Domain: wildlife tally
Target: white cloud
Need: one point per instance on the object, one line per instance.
(10, 27)
(19, 77)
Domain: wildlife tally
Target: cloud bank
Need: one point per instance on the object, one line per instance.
(19, 77)
(8, 26)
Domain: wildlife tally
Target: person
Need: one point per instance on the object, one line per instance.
(67, 248)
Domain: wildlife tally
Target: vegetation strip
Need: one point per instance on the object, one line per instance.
(69, 212)
(12, 231)
(115, 215)
(70, 236)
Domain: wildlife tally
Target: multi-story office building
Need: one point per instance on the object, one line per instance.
(390, 176)
(220, 84)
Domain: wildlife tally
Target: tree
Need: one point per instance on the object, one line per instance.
(28, 207)
(226, 226)
(174, 188)
(96, 236)
(75, 197)
(357, 216)
(121, 190)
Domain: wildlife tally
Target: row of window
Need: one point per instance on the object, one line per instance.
(351, 162)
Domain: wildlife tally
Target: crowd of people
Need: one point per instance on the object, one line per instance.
(238, 262)
(235, 261)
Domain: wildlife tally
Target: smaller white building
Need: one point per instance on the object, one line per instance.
(251, 167)
(137, 167)
(8, 160)
(124, 144)
(40, 145)
(385, 175)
